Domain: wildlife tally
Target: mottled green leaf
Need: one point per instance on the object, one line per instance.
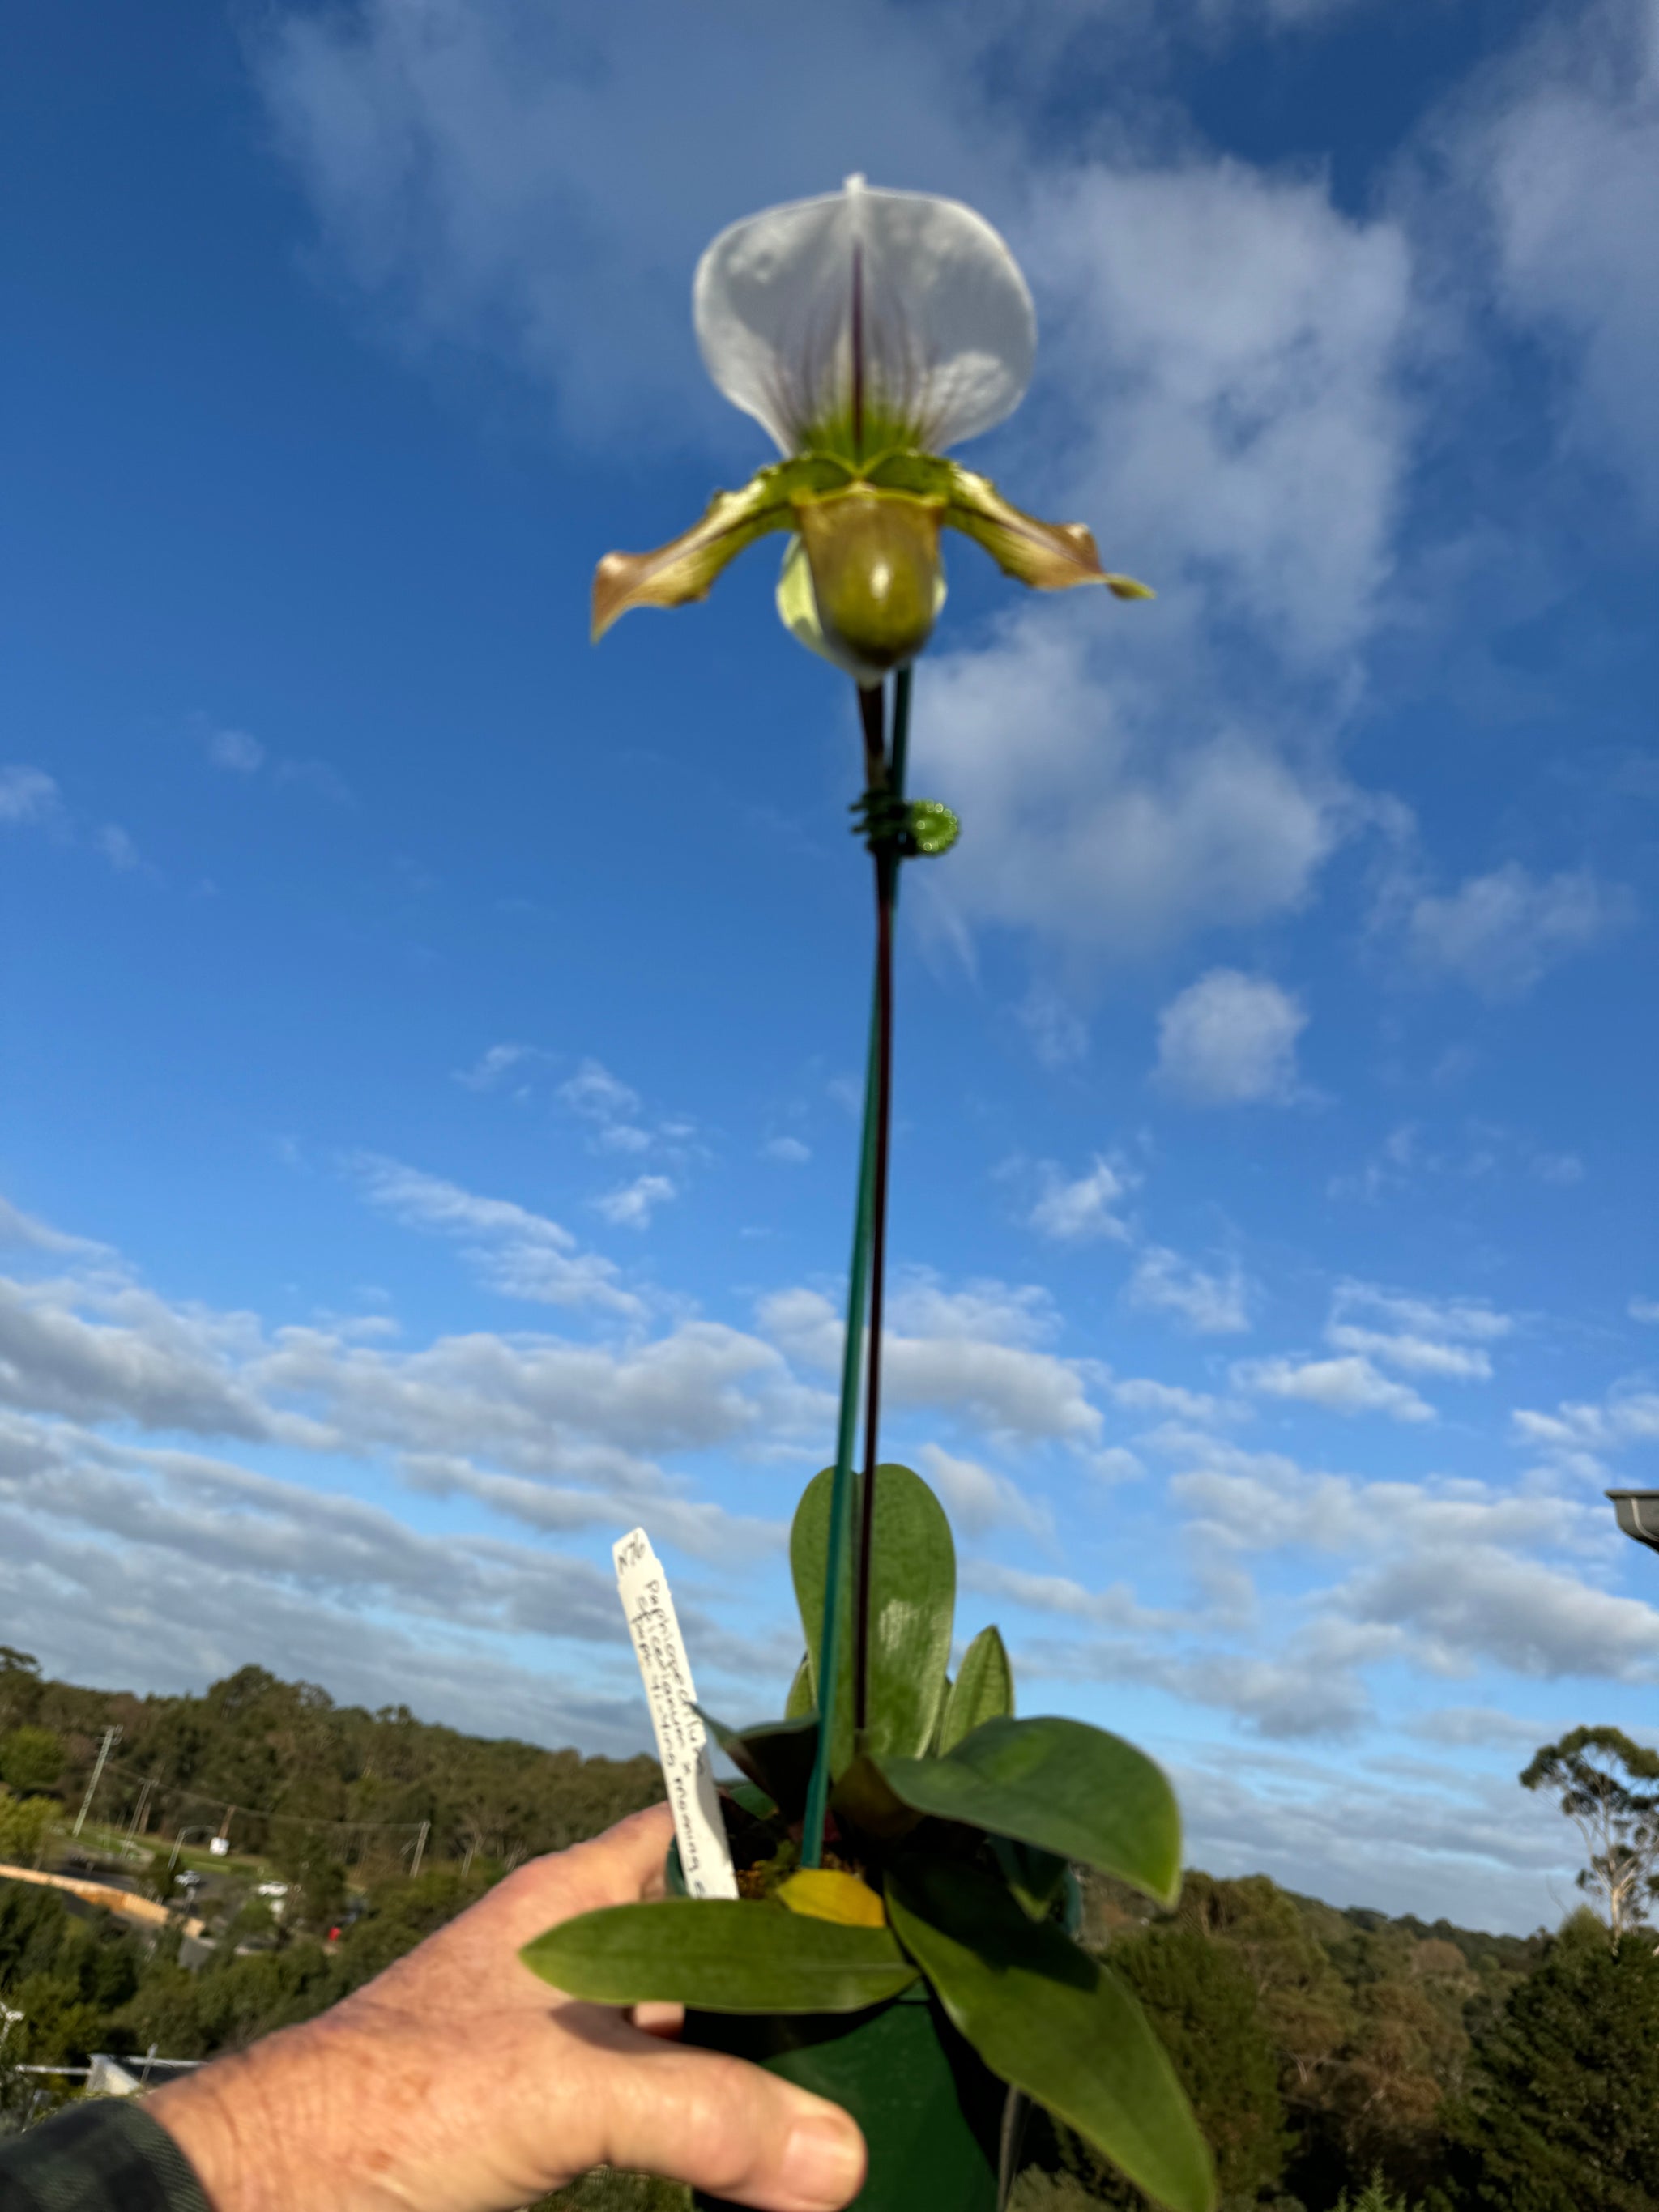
(983, 1690)
(912, 1605)
(1075, 1790)
(1053, 2022)
(720, 1955)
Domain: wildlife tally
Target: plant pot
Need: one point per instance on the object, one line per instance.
(931, 2111)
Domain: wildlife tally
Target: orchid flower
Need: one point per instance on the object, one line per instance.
(866, 331)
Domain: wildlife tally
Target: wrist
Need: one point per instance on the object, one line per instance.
(246, 2123)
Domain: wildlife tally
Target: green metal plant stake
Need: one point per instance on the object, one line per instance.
(904, 1939)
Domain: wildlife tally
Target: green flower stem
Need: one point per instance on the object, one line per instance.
(891, 776)
(817, 1793)
(865, 1286)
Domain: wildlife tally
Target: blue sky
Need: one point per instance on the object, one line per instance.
(428, 1041)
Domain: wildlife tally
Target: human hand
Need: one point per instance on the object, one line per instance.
(458, 2081)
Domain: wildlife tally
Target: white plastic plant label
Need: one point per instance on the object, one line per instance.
(682, 1742)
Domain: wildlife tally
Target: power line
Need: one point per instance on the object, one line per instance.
(223, 1805)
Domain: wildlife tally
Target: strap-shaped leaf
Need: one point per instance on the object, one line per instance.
(1053, 2022)
(1075, 1789)
(913, 1596)
(777, 1755)
(1035, 1876)
(983, 1690)
(721, 1956)
(803, 1697)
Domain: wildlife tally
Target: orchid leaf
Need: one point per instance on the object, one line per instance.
(753, 1800)
(1048, 556)
(984, 1689)
(720, 1955)
(1069, 1788)
(862, 1800)
(1053, 2022)
(803, 1697)
(777, 1755)
(911, 1605)
(1034, 1875)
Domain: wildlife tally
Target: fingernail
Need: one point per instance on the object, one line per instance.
(823, 2159)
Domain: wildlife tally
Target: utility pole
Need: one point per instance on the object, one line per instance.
(141, 1817)
(420, 1848)
(112, 1737)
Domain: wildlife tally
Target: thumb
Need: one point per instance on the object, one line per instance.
(724, 2125)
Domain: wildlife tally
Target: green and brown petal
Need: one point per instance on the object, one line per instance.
(684, 569)
(871, 541)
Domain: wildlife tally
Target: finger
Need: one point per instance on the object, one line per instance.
(656, 2018)
(724, 2125)
(618, 1868)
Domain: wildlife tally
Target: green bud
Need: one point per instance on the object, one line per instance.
(874, 558)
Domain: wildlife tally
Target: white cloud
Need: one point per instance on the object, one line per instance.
(520, 1253)
(137, 1359)
(632, 1205)
(1000, 1313)
(1230, 1040)
(1478, 1727)
(1427, 1336)
(1211, 1304)
(1114, 1608)
(1233, 342)
(1501, 933)
(977, 1497)
(1414, 1355)
(598, 1096)
(1643, 1309)
(236, 751)
(118, 849)
(28, 794)
(1487, 1854)
(1095, 830)
(788, 1150)
(964, 1366)
(602, 1099)
(1563, 145)
(488, 184)
(23, 1230)
(1577, 1434)
(1470, 1320)
(1350, 1385)
(1073, 1211)
(492, 1066)
(1467, 1605)
(1140, 1395)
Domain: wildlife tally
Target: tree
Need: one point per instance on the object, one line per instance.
(1563, 2114)
(1595, 1772)
(1202, 2002)
(25, 1823)
(20, 1685)
(31, 1758)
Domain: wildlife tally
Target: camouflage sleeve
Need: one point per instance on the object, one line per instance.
(107, 2154)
